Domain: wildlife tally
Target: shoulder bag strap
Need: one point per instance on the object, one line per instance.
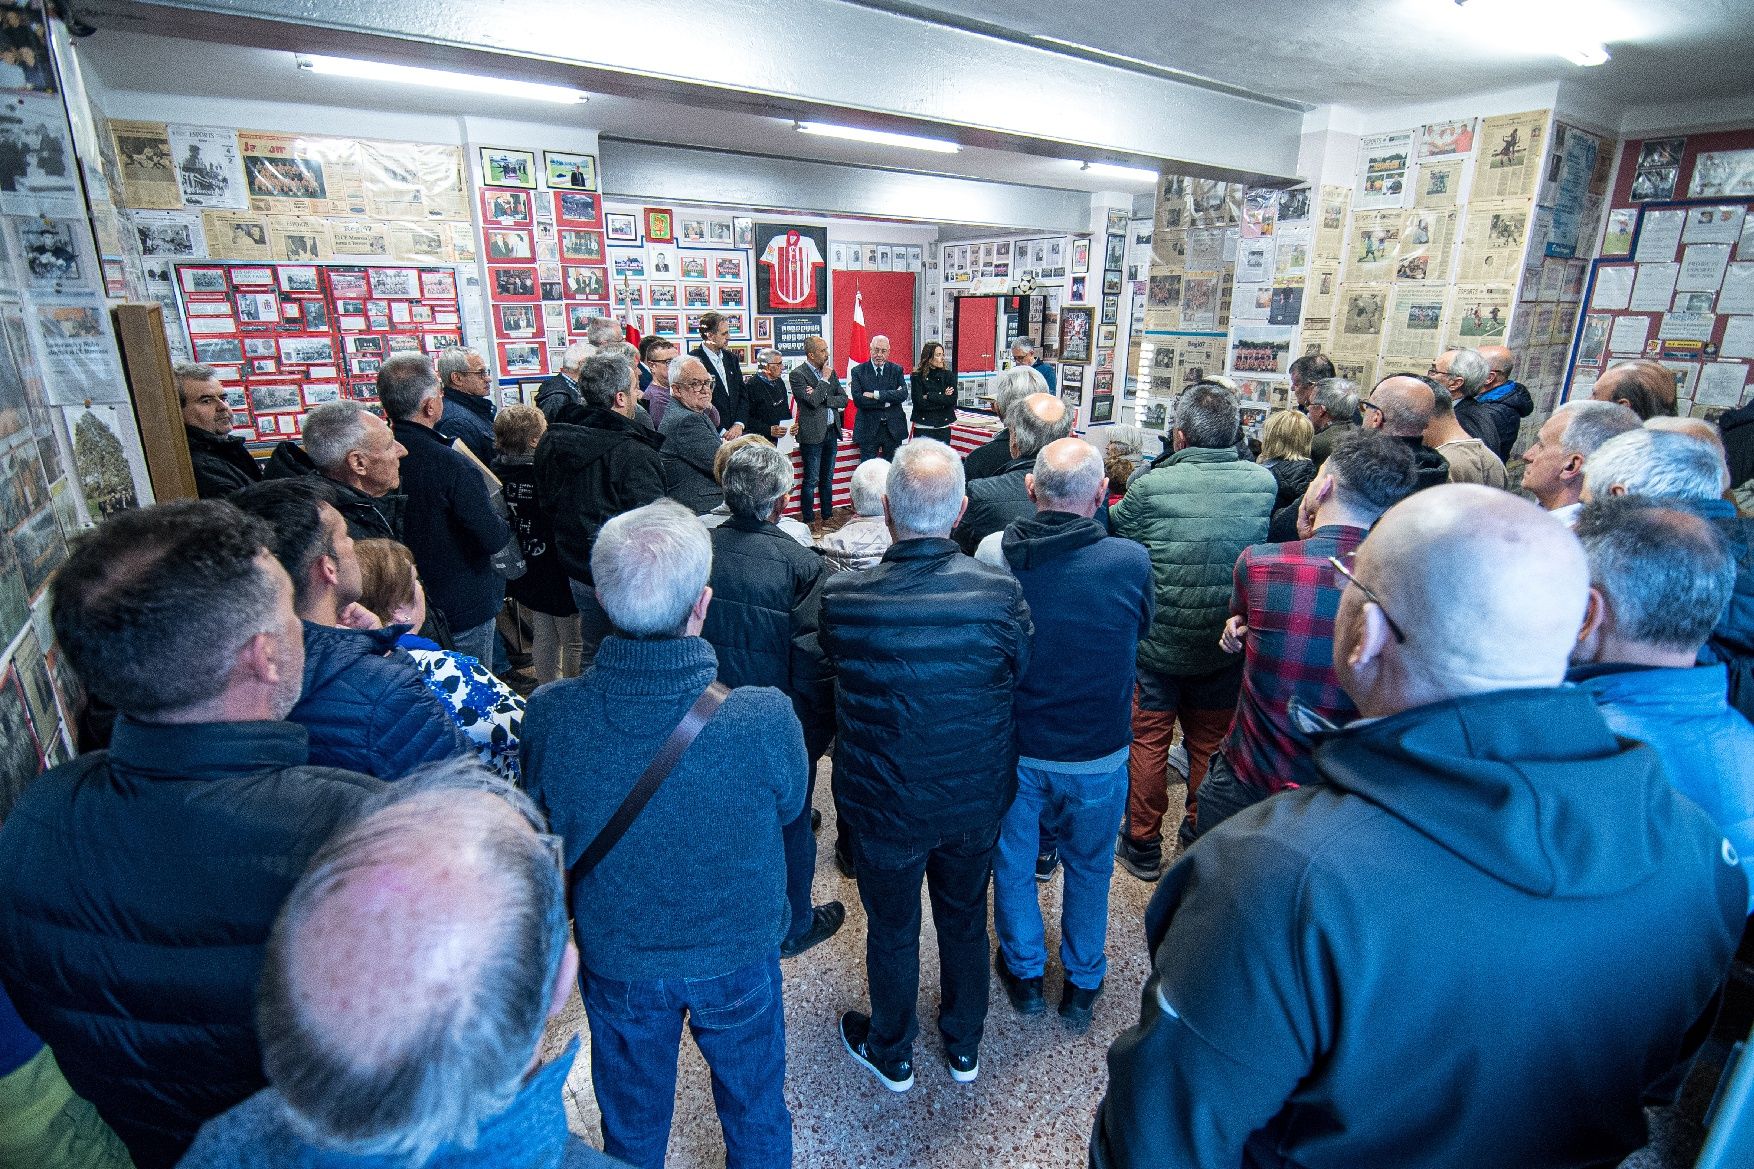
(659, 769)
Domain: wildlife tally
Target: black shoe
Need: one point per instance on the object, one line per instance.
(1046, 863)
(1144, 861)
(964, 1069)
(1024, 993)
(1076, 1004)
(825, 922)
(844, 862)
(815, 820)
(855, 1028)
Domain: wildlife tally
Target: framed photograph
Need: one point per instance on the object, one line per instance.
(576, 172)
(738, 326)
(1106, 335)
(299, 279)
(621, 227)
(666, 325)
(730, 296)
(501, 167)
(1111, 310)
(1116, 252)
(697, 296)
(403, 282)
(513, 284)
(521, 357)
(1077, 331)
(1102, 409)
(1111, 283)
(506, 208)
(1078, 288)
(1072, 379)
(745, 232)
(691, 232)
(661, 295)
(516, 320)
(1081, 256)
(438, 284)
(728, 268)
(505, 246)
(578, 209)
(660, 225)
(764, 328)
(693, 267)
(583, 246)
(586, 283)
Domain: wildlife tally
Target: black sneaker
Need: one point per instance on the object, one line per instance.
(1144, 861)
(964, 1069)
(843, 860)
(825, 922)
(855, 1028)
(1076, 1005)
(815, 820)
(1024, 993)
(1046, 863)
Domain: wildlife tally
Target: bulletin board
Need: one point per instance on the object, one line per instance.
(1683, 295)
(287, 337)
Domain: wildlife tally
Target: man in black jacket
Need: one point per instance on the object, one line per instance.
(355, 451)
(878, 388)
(1463, 372)
(138, 884)
(594, 464)
(1009, 388)
(927, 647)
(1409, 962)
(562, 390)
(451, 525)
(998, 499)
(767, 602)
(223, 464)
(364, 705)
(469, 406)
(768, 411)
(1507, 401)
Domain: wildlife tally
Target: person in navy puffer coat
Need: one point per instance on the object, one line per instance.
(365, 704)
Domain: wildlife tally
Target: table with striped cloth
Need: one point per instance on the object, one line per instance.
(965, 436)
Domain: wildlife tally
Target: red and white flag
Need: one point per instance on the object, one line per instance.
(859, 350)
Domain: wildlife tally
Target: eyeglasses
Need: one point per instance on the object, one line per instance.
(694, 383)
(1369, 595)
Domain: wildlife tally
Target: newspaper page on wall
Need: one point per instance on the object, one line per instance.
(149, 177)
(1492, 245)
(1413, 328)
(210, 172)
(1362, 310)
(1383, 166)
(1509, 166)
(1479, 315)
(1426, 241)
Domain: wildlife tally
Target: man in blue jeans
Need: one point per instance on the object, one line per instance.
(665, 932)
(927, 646)
(1091, 598)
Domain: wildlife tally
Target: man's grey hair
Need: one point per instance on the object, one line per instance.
(453, 361)
(576, 354)
(1206, 413)
(679, 363)
(1667, 573)
(650, 565)
(1014, 385)
(602, 377)
(925, 488)
(1030, 432)
(404, 382)
(1024, 345)
(867, 485)
(375, 1070)
(767, 355)
(1337, 396)
(332, 431)
(601, 331)
(189, 371)
(756, 478)
(1075, 485)
(1589, 424)
(1472, 367)
(1656, 462)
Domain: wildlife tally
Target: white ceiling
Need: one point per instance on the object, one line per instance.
(1366, 53)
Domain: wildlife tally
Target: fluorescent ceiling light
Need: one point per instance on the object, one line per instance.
(440, 79)
(1587, 55)
(1110, 170)
(883, 137)
(1553, 25)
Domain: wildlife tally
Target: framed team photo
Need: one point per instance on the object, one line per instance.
(578, 209)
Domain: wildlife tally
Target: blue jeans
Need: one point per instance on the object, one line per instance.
(476, 642)
(738, 1021)
(818, 459)
(800, 848)
(955, 870)
(1081, 810)
(593, 622)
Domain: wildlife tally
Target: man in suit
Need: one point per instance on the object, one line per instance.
(722, 364)
(562, 389)
(878, 392)
(820, 399)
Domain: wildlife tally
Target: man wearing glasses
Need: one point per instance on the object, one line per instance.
(1410, 961)
(469, 407)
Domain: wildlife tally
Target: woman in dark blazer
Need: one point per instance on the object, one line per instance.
(934, 394)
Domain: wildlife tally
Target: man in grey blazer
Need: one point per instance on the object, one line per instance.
(879, 389)
(691, 441)
(820, 399)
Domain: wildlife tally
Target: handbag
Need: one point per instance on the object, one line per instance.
(644, 788)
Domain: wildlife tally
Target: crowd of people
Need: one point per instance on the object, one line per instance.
(1467, 772)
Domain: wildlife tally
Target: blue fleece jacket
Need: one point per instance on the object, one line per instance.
(1092, 599)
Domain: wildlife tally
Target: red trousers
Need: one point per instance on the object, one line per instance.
(1148, 762)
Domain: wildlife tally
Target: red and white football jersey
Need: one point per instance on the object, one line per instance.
(792, 260)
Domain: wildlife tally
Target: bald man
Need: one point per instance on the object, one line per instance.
(995, 501)
(879, 388)
(1644, 387)
(1402, 406)
(1411, 962)
(1092, 600)
(1506, 401)
(374, 1034)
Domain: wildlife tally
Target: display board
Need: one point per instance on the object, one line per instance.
(286, 337)
(547, 261)
(1682, 293)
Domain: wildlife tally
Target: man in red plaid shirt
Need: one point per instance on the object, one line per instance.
(1282, 619)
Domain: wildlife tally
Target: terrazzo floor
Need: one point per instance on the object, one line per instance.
(1031, 1108)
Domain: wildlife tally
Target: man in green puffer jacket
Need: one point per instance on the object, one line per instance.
(1195, 510)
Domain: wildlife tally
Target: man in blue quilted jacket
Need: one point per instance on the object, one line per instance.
(365, 705)
(138, 884)
(927, 647)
